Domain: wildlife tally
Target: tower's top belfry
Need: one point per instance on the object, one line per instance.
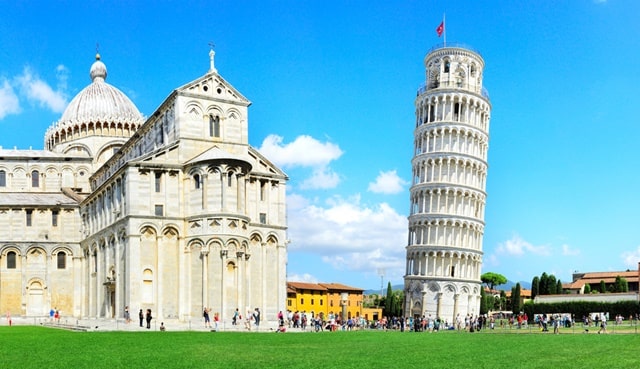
(454, 67)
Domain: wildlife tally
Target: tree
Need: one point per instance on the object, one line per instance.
(503, 300)
(587, 288)
(483, 302)
(535, 287)
(603, 287)
(621, 285)
(551, 285)
(515, 299)
(388, 304)
(544, 284)
(559, 288)
(493, 279)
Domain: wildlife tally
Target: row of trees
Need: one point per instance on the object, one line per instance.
(545, 285)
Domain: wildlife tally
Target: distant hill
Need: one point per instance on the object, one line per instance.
(507, 286)
(397, 287)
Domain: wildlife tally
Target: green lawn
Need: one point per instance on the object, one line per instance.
(39, 347)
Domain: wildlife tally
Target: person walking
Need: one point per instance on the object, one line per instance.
(234, 320)
(256, 318)
(148, 317)
(127, 316)
(207, 319)
(141, 316)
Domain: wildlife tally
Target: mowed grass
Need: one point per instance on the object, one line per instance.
(39, 347)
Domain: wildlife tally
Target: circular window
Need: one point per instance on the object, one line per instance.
(219, 90)
(81, 173)
(205, 88)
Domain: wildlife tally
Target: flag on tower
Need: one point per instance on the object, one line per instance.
(440, 29)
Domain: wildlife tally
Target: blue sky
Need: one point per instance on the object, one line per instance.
(333, 87)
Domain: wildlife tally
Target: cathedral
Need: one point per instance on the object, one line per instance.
(175, 212)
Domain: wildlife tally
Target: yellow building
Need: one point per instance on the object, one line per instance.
(328, 299)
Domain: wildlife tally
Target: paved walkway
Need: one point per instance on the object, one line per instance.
(96, 325)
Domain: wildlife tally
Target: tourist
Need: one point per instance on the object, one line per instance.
(256, 318)
(127, 316)
(148, 318)
(162, 327)
(234, 320)
(216, 318)
(603, 325)
(207, 320)
(141, 316)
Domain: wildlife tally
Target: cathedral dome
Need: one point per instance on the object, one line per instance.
(100, 103)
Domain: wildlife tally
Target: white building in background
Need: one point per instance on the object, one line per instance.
(446, 221)
(173, 213)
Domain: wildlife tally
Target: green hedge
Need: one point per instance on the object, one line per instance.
(583, 308)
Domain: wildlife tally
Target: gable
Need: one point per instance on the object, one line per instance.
(213, 86)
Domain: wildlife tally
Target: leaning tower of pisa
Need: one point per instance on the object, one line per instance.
(446, 220)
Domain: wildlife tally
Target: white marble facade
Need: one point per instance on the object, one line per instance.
(175, 212)
(446, 221)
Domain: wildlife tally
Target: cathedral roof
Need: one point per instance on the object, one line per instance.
(215, 153)
(100, 102)
(36, 199)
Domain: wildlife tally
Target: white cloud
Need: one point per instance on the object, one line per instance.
(349, 235)
(322, 178)
(9, 103)
(388, 183)
(305, 277)
(39, 91)
(568, 251)
(305, 151)
(631, 258)
(516, 246)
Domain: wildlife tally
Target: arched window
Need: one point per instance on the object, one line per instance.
(147, 285)
(3, 178)
(447, 66)
(11, 260)
(35, 179)
(214, 126)
(473, 70)
(62, 260)
(196, 181)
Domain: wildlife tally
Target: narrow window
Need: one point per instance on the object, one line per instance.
(11, 260)
(263, 218)
(196, 181)
(159, 210)
(229, 179)
(94, 260)
(29, 216)
(158, 180)
(62, 260)
(3, 178)
(447, 66)
(35, 179)
(301, 301)
(289, 303)
(214, 126)
(54, 217)
(262, 189)
(453, 271)
(311, 301)
(320, 302)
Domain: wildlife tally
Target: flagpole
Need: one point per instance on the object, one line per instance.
(444, 24)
